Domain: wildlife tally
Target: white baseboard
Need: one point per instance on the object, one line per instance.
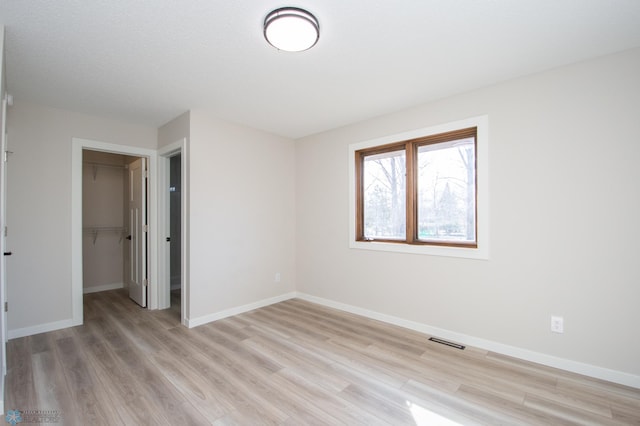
(525, 354)
(103, 287)
(194, 322)
(41, 328)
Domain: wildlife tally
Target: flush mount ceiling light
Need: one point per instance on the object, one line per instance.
(291, 29)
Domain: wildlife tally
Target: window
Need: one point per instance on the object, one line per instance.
(383, 192)
(422, 191)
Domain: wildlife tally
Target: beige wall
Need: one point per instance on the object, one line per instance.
(175, 130)
(564, 207)
(242, 215)
(39, 205)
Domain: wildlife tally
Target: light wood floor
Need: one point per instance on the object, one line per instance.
(292, 363)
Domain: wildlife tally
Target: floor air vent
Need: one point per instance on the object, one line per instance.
(444, 342)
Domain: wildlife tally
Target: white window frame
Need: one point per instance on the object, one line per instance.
(482, 198)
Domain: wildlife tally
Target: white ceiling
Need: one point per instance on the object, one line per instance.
(147, 61)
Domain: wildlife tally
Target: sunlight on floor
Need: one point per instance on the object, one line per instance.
(424, 417)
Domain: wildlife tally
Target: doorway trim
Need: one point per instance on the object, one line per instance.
(77, 145)
(164, 282)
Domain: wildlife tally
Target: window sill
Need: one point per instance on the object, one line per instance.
(479, 253)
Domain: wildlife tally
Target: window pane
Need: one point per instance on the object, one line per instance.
(384, 195)
(446, 191)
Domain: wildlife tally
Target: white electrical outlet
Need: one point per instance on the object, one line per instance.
(557, 324)
(277, 277)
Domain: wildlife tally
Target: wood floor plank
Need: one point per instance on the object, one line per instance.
(291, 363)
(515, 413)
(116, 382)
(568, 413)
(610, 392)
(292, 358)
(235, 350)
(20, 392)
(50, 385)
(314, 393)
(232, 380)
(41, 342)
(199, 392)
(370, 330)
(160, 393)
(626, 414)
(445, 403)
(378, 405)
(289, 326)
(246, 415)
(337, 350)
(93, 404)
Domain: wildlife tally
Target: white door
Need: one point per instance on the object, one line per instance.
(3, 234)
(138, 231)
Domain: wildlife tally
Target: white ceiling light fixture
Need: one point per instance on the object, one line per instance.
(291, 29)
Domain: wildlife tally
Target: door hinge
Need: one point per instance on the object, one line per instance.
(145, 228)
(6, 306)
(5, 231)
(145, 282)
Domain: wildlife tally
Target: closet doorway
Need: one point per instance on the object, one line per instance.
(115, 223)
(155, 295)
(175, 230)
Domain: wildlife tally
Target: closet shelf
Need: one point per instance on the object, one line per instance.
(96, 165)
(95, 230)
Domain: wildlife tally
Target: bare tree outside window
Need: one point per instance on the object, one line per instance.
(384, 182)
(446, 191)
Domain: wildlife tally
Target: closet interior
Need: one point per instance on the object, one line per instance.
(105, 248)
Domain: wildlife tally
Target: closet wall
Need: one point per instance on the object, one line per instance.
(104, 221)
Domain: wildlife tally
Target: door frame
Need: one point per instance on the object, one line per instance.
(4, 153)
(164, 284)
(3, 240)
(77, 145)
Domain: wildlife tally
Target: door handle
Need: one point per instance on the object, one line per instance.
(8, 253)
(168, 239)
(129, 237)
